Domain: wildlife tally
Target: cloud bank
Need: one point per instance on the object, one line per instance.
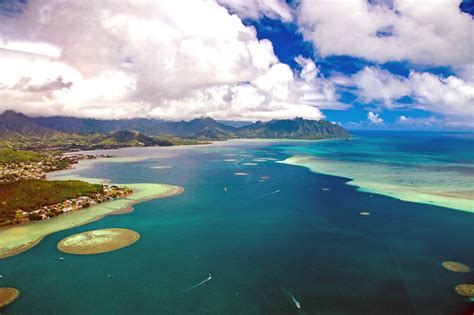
(166, 59)
(184, 59)
(432, 32)
(451, 97)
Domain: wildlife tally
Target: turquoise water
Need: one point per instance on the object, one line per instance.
(297, 234)
(432, 168)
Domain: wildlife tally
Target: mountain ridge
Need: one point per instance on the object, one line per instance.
(205, 128)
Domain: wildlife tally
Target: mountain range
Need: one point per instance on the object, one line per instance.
(18, 126)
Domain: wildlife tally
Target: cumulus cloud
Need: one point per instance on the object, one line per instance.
(432, 123)
(255, 9)
(379, 85)
(374, 118)
(434, 32)
(421, 122)
(168, 59)
(451, 97)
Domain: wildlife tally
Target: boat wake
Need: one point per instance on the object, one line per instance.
(200, 283)
(293, 299)
(271, 193)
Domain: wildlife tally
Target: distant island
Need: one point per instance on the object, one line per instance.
(69, 133)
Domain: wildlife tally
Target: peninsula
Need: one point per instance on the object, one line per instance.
(26, 196)
(16, 239)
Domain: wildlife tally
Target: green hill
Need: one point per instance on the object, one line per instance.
(17, 124)
(132, 139)
(14, 156)
(297, 128)
(32, 194)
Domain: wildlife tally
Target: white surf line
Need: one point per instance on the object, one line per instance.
(199, 284)
(293, 299)
(271, 193)
(225, 189)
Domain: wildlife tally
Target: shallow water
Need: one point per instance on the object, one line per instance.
(17, 238)
(308, 241)
(432, 168)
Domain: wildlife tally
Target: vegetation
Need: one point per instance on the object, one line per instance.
(14, 156)
(75, 142)
(68, 133)
(132, 139)
(30, 195)
(297, 128)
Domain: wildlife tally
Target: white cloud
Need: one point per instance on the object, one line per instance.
(433, 32)
(451, 97)
(255, 9)
(376, 84)
(170, 59)
(421, 122)
(374, 118)
(433, 123)
(44, 49)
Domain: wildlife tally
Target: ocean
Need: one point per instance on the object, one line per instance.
(280, 237)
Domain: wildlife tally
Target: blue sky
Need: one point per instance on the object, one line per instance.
(288, 42)
(374, 64)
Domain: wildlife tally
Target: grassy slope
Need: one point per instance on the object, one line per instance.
(9, 156)
(95, 141)
(29, 195)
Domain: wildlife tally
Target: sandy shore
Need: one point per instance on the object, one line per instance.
(98, 241)
(8, 295)
(461, 199)
(19, 238)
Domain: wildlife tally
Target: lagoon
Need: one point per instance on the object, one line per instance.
(307, 243)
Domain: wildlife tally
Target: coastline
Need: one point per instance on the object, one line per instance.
(451, 199)
(17, 239)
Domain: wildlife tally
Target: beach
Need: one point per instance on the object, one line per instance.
(19, 238)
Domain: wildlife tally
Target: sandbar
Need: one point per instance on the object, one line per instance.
(8, 295)
(465, 290)
(98, 241)
(19, 238)
(455, 266)
(367, 178)
(161, 167)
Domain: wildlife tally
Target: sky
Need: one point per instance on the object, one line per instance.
(376, 64)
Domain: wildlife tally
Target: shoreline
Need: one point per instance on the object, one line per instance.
(20, 238)
(447, 199)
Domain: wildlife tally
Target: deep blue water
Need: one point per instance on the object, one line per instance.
(258, 244)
